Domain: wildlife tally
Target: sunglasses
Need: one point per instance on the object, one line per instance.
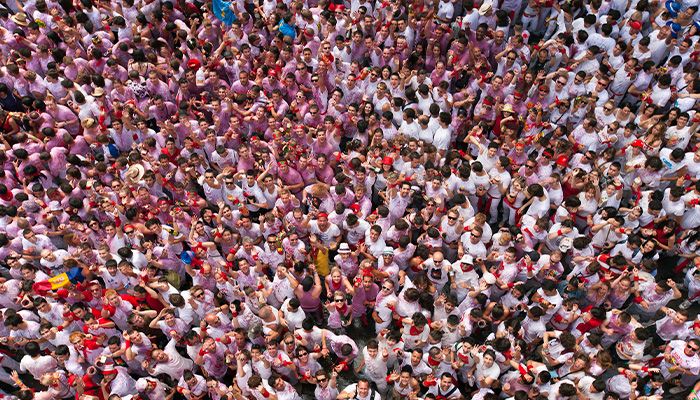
(386, 288)
(321, 379)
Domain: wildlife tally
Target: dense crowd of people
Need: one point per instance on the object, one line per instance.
(396, 199)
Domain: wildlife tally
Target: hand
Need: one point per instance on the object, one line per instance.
(394, 375)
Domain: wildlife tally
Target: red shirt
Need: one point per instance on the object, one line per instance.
(90, 388)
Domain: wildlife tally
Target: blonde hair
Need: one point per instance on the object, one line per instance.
(76, 337)
(339, 293)
(506, 237)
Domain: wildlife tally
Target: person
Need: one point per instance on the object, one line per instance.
(326, 389)
(360, 390)
(349, 198)
(167, 361)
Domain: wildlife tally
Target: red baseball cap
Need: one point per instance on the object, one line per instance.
(637, 143)
(194, 63)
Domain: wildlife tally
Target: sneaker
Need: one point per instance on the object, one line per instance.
(685, 305)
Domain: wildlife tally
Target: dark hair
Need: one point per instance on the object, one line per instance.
(32, 349)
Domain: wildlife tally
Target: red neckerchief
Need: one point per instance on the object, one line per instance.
(414, 331)
(500, 269)
(463, 357)
(342, 310)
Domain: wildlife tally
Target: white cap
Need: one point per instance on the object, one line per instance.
(142, 384)
(489, 278)
(343, 248)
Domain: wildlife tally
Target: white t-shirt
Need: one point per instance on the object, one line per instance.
(539, 208)
(356, 233)
(483, 372)
(325, 237)
(584, 385)
(681, 359)
(175, 366)
(442, 138)
(37, 366)
(294, 319)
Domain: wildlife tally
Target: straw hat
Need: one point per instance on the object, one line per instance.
(20, 19)
(135, 173)
(485, 8)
